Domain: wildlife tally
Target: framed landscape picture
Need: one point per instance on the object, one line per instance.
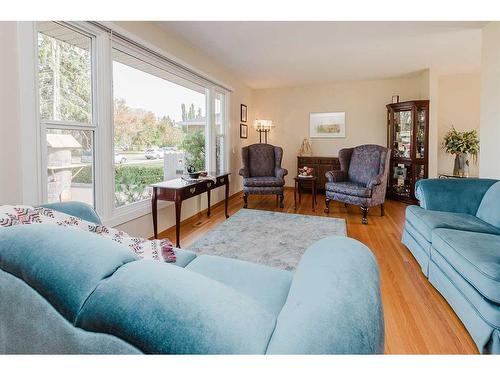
(327, 125)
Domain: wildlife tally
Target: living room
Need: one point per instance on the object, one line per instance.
(303, 187)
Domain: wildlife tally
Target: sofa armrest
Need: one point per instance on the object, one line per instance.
(452, 195)
(336, 176)
(334, 303)
(78, 209)
(280, 172)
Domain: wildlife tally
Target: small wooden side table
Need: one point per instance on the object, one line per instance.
(299, 181)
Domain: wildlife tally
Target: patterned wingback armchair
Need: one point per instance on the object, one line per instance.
(362, 179)
(262, 172)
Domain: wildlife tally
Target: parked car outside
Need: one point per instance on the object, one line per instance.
(88, 158)
(152, 153)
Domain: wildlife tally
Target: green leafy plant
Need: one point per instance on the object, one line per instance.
(194, 146)
(456, 142)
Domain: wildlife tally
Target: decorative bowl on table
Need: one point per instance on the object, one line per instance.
(194, 174)
(306, 172)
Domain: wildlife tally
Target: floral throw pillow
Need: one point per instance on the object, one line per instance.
(160, 250)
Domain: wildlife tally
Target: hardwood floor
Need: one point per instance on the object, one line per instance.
(417, 319)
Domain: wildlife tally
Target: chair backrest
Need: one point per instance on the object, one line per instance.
(261, 159)
(489, 209)
(366, 162)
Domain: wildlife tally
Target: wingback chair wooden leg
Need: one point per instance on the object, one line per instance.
(327, 204)
(382, 211)
(282, 198)
(245, 200)
(277, 199)
(365, 215)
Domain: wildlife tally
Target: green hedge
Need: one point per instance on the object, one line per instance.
(130, 181)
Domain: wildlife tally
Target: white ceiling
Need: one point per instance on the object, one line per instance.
(274, 54)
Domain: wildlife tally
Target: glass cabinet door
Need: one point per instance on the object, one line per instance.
(421, 119)
(401, 179)
(402, 134)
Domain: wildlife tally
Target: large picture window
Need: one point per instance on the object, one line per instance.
(115, 116)
(160, 127)
(66, 112)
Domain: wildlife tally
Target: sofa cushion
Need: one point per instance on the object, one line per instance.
(60, 262)
(425, 221)
(489, 209)
(268, 286)
(475, 256)
(263, 181)
(261, 160)
(183, 257)
(349, 188)
(161, 308)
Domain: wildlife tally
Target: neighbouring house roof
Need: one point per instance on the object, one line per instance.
(62, 141)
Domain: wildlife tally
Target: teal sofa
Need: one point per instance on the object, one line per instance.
(64, 290)
(455, 236)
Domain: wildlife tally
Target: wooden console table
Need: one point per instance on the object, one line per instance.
(178, 190)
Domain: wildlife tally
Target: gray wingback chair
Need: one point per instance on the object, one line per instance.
(362, 179)
(262, 172)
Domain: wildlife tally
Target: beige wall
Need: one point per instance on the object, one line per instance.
(459, 99)
(10, 141)
(490, 101)
(242, 94)
(363, 102)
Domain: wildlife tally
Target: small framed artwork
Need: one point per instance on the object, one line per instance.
(243, 113)
(243, 131)
(327, 125)
(395, 99)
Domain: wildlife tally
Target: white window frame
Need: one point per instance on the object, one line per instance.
(34, 139)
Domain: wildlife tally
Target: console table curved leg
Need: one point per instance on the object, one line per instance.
(226, 198)
(178, 205)
(154, 201)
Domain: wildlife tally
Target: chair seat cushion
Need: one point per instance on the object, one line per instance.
(349, 188)
(268, 286)
(425, 221)
(475, 256)
(263, 181)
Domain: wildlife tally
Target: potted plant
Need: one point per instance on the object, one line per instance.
(461, 144)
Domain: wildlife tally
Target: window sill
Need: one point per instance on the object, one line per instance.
(133, 211)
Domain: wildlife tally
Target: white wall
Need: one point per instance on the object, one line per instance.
(459, 99)
(363, 102)
(10, 141)
(490, 102)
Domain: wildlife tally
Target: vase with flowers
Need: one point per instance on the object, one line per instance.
(462, 145)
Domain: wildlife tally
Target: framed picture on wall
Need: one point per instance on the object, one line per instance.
(243, 113)
(327, 125)
(243, 131)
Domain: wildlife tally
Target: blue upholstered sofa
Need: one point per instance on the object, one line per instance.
(455, 237)
(64, 290)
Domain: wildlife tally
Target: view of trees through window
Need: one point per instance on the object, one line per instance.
(159, 128)
(160, 121)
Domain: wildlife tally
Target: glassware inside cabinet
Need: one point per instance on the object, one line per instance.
(403, 134)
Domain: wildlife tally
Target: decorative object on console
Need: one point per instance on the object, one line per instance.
(362, 179)
(243, 113)
(262, 172)
(243, 131)
(305, 148)
(263, 126)
(461, 144)
(327, 125)
(408, 137)
(320, 165)
(306, 171)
